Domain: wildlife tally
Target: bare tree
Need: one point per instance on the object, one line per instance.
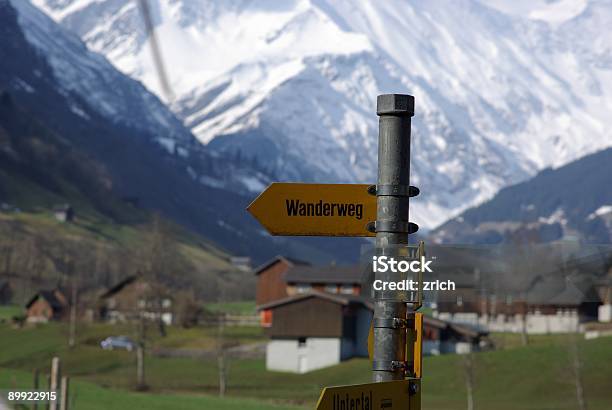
(222, 364)
(140, 346)
(74, 289)
(161, 260)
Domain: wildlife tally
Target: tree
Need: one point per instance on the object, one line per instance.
(161, 260)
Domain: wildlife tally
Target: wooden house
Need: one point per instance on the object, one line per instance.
(282, 277)
(314, 330)
(549, 305)
(134, 296)
(64, 213)
(271, 284)
(47, 305)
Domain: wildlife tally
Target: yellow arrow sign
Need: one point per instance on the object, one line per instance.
(393, 395)
(315, 209)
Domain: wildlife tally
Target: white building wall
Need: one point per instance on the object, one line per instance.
(536, 323)
(289, 356)
(605, 313)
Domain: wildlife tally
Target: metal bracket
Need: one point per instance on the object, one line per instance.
(389, 323)
(392, 226)
(393, 190)
(388, 366)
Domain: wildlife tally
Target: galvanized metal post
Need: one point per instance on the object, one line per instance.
(392, 227)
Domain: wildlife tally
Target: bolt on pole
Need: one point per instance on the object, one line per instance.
(392, 226)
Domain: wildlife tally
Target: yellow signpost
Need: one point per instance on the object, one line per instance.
(393, 395)
(315, 209)
(297, 209)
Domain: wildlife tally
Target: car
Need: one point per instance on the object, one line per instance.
(118, 342)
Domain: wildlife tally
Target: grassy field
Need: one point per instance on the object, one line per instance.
(89, 396)
(534, 377)
(8, 312)
(234, 308)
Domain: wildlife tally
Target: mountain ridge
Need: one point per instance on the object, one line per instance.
(501, 91)
(137, 165)
(570, 201)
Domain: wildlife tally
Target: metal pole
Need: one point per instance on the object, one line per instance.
(395, 112)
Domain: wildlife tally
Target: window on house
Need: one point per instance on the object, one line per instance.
(459, 300)
(166, 303)
(331, 288)
(346, 289)
(302, 342)
(303, 288)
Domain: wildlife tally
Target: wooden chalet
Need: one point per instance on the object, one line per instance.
(47, 305)
(131, 297)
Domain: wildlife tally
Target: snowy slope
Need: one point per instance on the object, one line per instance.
(89, 76)
(503, 89)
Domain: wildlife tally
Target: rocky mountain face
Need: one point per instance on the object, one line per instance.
(503, 89)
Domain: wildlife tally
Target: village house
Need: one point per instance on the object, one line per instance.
(282, 277)
(134, 296)
(64, 213)
(549, 305)
(316, 317)
(313, 330)
(47, 305)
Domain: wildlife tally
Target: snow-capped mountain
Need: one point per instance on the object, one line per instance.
(88, 77)
(503, 89)
(84, 111)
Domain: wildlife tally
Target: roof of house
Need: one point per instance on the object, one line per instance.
(343, 274)
(50, 297)
(335, 298)
(560, 291)
(278, 258)
(119, 286)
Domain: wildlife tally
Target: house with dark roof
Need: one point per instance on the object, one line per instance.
(317, 316)
(63, 213)
(134, 296)
(551, 303)
(47, 305)
(282, 277)
(313, 330)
